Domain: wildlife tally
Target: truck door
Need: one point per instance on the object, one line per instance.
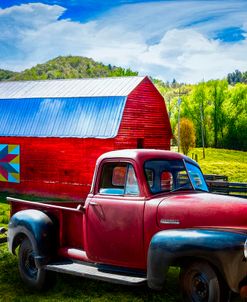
(114, 217)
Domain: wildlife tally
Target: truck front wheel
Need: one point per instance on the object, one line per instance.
(199, 283)
(33, 276)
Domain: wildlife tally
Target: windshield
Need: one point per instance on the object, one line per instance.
(173, 175)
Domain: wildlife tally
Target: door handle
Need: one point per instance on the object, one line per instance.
(93, 203)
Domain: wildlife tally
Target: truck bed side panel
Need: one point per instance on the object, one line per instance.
(66, 215)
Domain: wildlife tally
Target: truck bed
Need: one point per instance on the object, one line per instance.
(66, 214)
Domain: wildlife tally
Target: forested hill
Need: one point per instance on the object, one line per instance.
(6, 74)
(67, 68)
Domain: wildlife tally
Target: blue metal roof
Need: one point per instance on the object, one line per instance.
(84, 117)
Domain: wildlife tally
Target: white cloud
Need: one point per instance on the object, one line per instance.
(31, 15)
(21, 23)
(154, 19)
(33, 33)
(166, 40)
(189, 56)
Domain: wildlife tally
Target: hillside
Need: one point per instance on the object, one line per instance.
(230, 163)
(6, 74)
(67, 68)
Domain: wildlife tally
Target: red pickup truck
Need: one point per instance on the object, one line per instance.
(147, 210)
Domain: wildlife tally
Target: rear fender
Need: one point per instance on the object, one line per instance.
(38, 228)
(223, 249)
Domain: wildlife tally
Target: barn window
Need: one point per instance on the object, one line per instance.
(140, 143)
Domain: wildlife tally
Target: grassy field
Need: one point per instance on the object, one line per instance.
(223, 162)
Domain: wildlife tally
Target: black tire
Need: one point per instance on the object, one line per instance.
(200, 283)
(34, 277)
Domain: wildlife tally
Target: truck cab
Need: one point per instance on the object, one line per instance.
(128, 187)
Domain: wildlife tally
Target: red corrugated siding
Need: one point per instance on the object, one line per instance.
(64, 166)
(56, 166)
(145, 116)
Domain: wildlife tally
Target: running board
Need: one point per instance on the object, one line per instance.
(94, 272)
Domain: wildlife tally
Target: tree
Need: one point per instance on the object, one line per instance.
(196, 107)
(236, 108)
(235, 77)
(187, 135)
(217, 95)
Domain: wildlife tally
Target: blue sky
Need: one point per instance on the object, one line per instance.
(187, 40)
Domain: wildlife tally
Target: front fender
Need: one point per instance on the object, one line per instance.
(38, 228)
(222, 248)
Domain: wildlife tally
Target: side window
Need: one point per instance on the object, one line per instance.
(118, 179)
(183, 180)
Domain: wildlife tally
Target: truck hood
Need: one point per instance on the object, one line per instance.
(184, 210)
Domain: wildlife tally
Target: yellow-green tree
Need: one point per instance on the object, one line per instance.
(187, 135)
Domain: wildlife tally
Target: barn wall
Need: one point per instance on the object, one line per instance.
(60, 167)
(64, 167)
(145, 117)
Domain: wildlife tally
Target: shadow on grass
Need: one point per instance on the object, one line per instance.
(69, 288)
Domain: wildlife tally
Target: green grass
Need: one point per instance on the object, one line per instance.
(223, 162)
(4, 214)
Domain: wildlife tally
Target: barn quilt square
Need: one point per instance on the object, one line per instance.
(9, 163)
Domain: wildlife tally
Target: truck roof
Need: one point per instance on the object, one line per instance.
(142, 155)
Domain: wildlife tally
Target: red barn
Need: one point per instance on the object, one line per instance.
(52, 132)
